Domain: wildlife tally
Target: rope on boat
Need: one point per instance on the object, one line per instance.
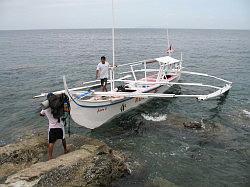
(67, 116)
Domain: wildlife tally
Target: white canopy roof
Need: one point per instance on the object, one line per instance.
(167, 60)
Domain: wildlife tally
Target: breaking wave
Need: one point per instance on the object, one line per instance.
(154, 117)
(247, 113)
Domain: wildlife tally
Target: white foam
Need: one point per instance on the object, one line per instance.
(172, 153)
(247, 113)
(154, 118)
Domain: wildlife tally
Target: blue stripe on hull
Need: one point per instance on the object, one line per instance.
(117, 102)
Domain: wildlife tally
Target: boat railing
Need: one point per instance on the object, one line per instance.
(143, 64)
(140, 70)
(138, 62)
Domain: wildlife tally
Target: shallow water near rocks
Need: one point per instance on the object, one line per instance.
(152, 135)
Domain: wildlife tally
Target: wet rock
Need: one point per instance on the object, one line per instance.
(104, 169)
(91, 163)
(192, 125)
(24, 151)
(54, 172)
(104, 149)
(17, 156)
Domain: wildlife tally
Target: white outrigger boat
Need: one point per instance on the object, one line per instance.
(91, 109)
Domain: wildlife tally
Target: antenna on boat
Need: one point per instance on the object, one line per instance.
(169, 50)
(168, 39)
(113, 47)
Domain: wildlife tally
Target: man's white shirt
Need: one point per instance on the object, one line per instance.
(53, 122)
(103, 70)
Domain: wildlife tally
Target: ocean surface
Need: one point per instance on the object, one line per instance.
(159, 148)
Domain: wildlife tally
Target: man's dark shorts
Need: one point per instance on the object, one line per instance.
(104, 81)
(55, 134)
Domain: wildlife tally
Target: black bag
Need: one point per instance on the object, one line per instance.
(121, 88)
(56, 103)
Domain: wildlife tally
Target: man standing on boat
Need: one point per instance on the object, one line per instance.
(102, 73)
(56, 130)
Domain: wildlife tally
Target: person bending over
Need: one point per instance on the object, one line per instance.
(55, 132)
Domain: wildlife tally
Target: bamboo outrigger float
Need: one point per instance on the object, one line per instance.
(90, 108)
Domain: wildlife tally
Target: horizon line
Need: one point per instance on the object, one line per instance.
(37, 29)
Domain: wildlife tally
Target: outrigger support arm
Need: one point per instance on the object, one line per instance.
(168, 83)
(142, 95)
(81, 88)
(219, 90)
(63, 91)
(151, 95)
(205, 75)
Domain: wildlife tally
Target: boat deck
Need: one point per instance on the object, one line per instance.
(151, 78)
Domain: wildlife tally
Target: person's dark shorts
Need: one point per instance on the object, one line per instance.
(55, 134)
(104, 81)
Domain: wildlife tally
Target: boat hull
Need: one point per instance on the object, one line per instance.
(94, 116)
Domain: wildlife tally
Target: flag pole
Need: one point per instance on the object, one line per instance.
(169, 53)
(168, 38)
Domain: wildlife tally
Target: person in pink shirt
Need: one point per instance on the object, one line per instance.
(56, 130)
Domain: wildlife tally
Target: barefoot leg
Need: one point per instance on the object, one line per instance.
(50, 150)
(65, 146)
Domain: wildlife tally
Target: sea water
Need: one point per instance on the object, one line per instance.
(152, 136)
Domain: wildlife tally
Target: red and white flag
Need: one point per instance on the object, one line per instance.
(170, 49)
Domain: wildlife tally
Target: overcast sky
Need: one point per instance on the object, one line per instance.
(67, 14)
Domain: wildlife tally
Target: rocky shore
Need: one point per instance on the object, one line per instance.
(90, 162)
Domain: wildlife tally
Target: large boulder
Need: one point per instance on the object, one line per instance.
(17, 156)
(28, 150)
(91, 162)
